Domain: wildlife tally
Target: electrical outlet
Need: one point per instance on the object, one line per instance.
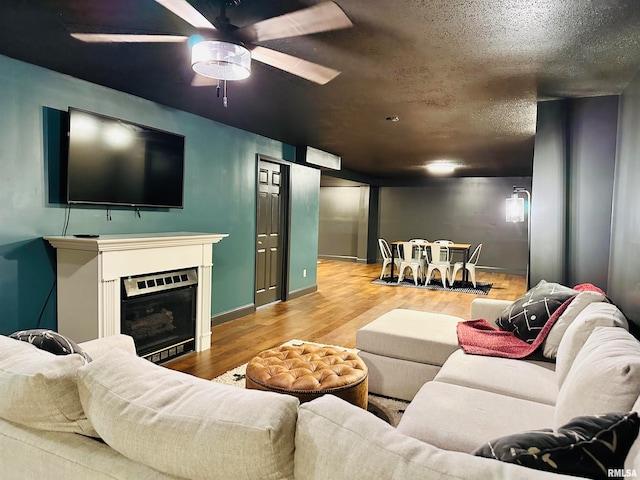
(304, 273)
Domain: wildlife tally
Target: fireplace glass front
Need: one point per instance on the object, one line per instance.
(159, 311)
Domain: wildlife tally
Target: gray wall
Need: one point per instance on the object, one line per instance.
(548, 223)
(573, 172)
(624, 267)
(340, 217)
(465, 210)
(592, 153)
(345, 222)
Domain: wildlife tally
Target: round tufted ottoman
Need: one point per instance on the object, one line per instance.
(309, 371)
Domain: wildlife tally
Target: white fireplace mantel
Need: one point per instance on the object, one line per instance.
(89, 272)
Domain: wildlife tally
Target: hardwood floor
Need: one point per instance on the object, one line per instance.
(345, 301)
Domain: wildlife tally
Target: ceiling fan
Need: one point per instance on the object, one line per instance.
(222, 51)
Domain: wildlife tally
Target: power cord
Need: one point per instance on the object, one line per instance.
(67, 216)
(45, 304)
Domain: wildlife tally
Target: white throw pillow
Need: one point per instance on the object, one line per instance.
(598, 314)
(39, 388)
(604, 377)
(551, 343)
(187, 426)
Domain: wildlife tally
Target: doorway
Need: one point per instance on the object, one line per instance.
(271, 208)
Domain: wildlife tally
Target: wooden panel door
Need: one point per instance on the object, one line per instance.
(269, 233)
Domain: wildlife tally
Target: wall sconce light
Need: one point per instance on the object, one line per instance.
(515, 208)
(515, 205)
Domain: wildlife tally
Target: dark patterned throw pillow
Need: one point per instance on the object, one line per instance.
(526, 316)
(50, 341)
(589, 446)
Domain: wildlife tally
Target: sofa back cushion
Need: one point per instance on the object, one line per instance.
(598, 314)
(39, 388)
(577, 305)
(604, 377)
(187, 426)
(99, 346)
(339, 441)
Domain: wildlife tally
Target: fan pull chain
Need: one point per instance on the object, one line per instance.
(224, 92)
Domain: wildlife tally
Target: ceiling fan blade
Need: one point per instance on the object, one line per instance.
(185, 11)
(322, 17)
(126, 37)
(297, 66)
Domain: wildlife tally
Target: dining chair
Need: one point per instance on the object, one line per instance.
(409, 260)
(444, 242)
(440, 261)
(385, 250)
(471, 266)
(424, 248)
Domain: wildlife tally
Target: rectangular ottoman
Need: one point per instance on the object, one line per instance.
(404, 349)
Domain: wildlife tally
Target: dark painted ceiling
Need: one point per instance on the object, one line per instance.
(462, 76)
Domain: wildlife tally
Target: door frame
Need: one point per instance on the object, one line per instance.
(285, 227)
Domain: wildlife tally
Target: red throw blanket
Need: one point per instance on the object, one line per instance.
(479, 337)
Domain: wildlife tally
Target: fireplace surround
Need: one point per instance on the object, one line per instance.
(90, 273)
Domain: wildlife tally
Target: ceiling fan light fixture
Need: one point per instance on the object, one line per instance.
(221, 60)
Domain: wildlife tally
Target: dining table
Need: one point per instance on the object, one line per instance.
(454, 247)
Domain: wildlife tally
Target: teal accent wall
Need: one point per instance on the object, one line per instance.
(305, 208)
(219, 192)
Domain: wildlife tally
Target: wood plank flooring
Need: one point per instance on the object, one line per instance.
(345, 301)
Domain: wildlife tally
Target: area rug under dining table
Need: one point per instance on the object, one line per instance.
(481, 288)
(388, 409)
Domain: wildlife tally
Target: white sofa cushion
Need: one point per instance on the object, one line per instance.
(604, 377)
(98, 347)
(39, 388)
(488, 308)
(423, 337)
(30, 454)
(594, 315)
(527, 379)
(396, 378)
(338, 441)
(187, 426)
(579, 303)
(459, 418)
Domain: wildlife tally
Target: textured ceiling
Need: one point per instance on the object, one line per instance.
(462, 76)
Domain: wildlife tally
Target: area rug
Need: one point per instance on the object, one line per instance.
(482, 288)
(388, 409)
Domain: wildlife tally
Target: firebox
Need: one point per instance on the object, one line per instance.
(159, 312)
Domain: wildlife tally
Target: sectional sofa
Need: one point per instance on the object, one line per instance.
(121, 417)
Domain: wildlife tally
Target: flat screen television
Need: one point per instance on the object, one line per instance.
(115, 162)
